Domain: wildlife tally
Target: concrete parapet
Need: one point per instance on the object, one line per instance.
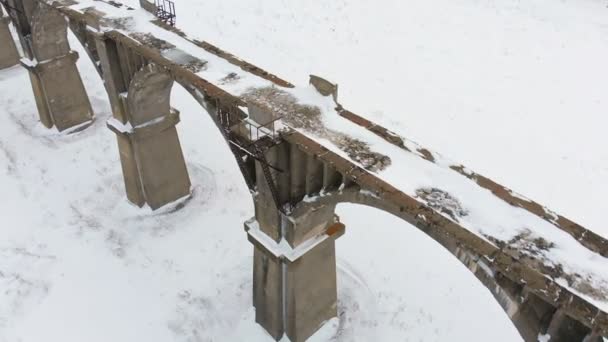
(324, 87)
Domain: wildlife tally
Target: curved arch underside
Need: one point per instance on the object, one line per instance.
(531, 315)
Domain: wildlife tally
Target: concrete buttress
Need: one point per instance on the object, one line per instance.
(8, 53)
(294, 276)
(60, 95)
(153, 164)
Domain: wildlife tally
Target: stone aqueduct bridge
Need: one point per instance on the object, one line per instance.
(298, 168)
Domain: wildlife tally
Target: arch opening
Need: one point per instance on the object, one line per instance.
(205, 147)
(413, 286)
(91, 78)
(532, 316)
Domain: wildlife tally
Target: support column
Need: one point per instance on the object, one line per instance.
(8, 53)
(533, 316)
(565, 329)
(294, 276)
(153, 165)
(60, 95)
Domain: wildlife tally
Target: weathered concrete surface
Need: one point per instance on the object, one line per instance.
(533, 316)
(153, 164)
(311, 287)
(139, 90)
(9, 56)
(295, 293)
(295, 298)
(60, 95)
(324, 87)
(148, 6)
(268, 292)
(564, 329)
(307, 222)
(311, 291)
(162, 166)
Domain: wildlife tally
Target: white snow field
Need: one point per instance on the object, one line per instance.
(515, 91)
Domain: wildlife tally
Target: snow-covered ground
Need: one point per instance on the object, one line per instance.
(513, 90)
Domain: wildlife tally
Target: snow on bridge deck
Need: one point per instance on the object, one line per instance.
(556, 258)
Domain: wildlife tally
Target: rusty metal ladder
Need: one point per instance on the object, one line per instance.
(254, 150)
(165, 11)
(239, 154)
(261, 157)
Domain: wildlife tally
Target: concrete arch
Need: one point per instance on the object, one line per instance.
(208, 105)
(87, 40)
(530, 315)
(200, 113)
(216, 109)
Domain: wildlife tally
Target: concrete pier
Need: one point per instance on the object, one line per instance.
(60, 95)
(294, 277)
(153, 164)
(9, 55)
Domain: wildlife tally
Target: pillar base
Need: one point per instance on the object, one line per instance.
(153, 165)
(294, 288)
(60, 95)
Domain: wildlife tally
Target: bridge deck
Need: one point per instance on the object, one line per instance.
(555, 256)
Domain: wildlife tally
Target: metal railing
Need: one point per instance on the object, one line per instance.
(257, 131)
(260, 138)
(165, 11)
